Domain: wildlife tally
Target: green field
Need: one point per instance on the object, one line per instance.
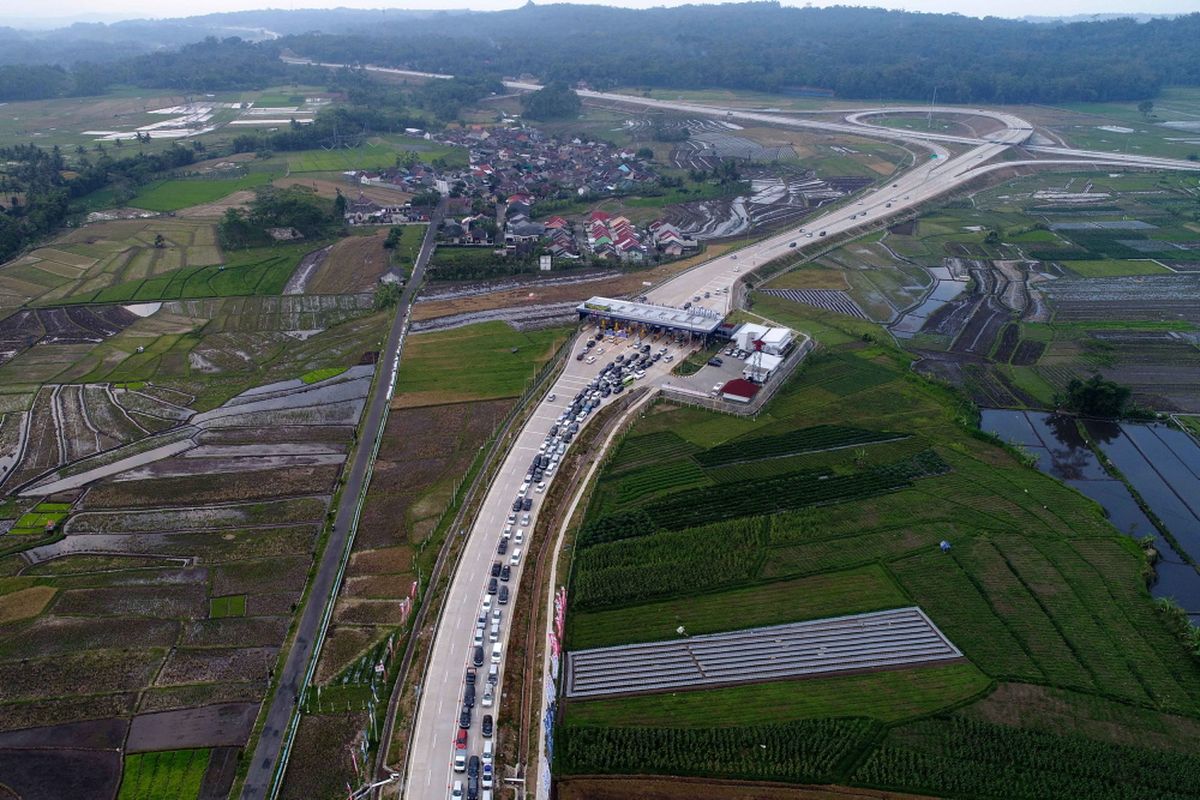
(256, 271)
(479, 362)
(233, 605)
(868, 588)
(323, 374)
(153, 776)
(364, 157)
(886, 696)
(173, 195)
(1038, 587)
(1113, 269)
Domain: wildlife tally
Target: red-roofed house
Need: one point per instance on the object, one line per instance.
(739, 390)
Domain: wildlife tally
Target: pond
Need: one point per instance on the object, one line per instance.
(1161, 463)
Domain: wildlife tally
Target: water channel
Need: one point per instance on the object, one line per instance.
(1161, 463)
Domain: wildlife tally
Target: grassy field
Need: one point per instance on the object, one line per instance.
(256, 271)
(479, 362)
(173, 195)
(173, 773)
(233, 605)
(1038, 587)
(865, 589)
(1113, 268)
(886, 696)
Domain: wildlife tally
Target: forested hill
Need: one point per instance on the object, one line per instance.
(857, 53)
(853, 52)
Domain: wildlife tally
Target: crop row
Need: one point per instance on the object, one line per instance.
(810, 751)
(961, 758)
(174, 773)
(668, 564)
(649, 448)
(787, 492)
(802, 440)
(655, 478)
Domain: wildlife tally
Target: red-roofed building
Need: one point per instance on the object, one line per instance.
(556, 222)
(739, 390)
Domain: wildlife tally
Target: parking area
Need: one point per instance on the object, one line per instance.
(878, 640)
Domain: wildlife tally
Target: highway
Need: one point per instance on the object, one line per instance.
(431, 752)
(310, 630)
(429, 772)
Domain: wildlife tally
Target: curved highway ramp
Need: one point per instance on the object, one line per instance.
(878, 640)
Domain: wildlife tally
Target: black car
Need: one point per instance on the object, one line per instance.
(470, 678)
(528, 504)
(619, 359)
(620, 387)
(591, 343)
(469, 696)
(645, 348)
(502, 548)
(579, 357)
(715, 362)
(516, 506)
(495, 568)
(502, 599)
(464, 719)
(473, 765)
(487, 726)
(505, 573)
(472, 787)
(477, 656)
(492, 585)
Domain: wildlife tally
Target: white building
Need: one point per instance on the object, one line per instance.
(775, 341)
(760, 366)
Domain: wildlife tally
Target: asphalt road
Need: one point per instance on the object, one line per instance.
(430, 759)
(283, 701)
(432, 751)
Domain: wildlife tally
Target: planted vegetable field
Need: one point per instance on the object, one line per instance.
(833, 499)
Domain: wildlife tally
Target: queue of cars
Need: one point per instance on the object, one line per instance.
(482, 676)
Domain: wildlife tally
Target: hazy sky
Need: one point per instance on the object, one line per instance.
(116, 9)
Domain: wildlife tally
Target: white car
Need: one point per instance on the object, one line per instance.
(497, 653)
(516, 557)
(478, 635)
(524, 519)
(488, 697)
(716, 390)
(523, 490)
(456, 793)
(552, 397)
(519, 537)
(487, 604)
(541, 487)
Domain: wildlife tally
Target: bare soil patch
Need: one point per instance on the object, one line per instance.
(210, 666)
(77, 773)
(355, 264)
(253, 485)
(329, 189)
(217, 208)
(227, 724)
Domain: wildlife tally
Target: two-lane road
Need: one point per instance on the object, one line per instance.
(277, 727)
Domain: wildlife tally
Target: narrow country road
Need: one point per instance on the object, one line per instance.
(267, 752)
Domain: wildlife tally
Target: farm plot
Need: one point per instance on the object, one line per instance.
(105, 254)
(173, 195)
(828, 299)
(1037, 586)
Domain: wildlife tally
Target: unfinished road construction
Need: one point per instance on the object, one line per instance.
(878, 640)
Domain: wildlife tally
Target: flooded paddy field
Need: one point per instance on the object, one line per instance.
(1162, 464)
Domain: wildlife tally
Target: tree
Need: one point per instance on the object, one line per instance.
(1097, 397)
(159, 241)
(1146, 106)
(339, 207)
(555, 100)
(645, 153)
